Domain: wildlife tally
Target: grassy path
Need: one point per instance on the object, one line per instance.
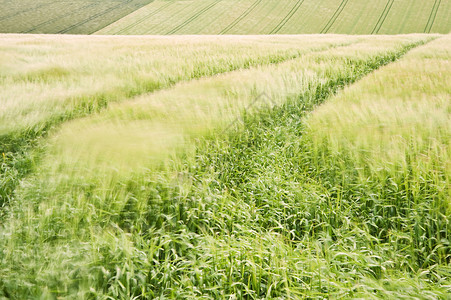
(138, 232)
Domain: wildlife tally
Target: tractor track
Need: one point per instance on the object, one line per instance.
(25, 11)
(382, 17)
(287, 17)
(335, 16)
(95, 16)
(143, 19)
(432, 16)
(241, 17)
(193, 17)
(59, 18)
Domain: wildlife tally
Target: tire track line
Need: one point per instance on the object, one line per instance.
(382, 17)
(335, 16)
(95, 16)
(287, 17)
(25, 11)
(145, 18)
(432, 16)
(193, 17)
(241, 17)
(58, 18)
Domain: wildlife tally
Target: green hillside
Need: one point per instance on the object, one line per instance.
(226, 16)
(286, 17)
(76, 16)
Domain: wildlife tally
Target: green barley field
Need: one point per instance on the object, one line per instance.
(250, 167)
(207, 149)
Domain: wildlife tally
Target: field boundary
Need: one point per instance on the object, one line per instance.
(193, 17)
(432, 15)
(287, 17)
(383, 16)
(335, 16)
(146, 17)
(241, 17)
(95, 16)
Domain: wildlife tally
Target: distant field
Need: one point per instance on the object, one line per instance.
(286, 17)
(226, 16)
(208, 167)
(76, 17)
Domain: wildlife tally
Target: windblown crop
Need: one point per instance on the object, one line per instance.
(159, 196)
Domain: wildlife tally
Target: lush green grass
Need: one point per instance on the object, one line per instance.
(286, 17)
(183, 209)
(77, 16)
